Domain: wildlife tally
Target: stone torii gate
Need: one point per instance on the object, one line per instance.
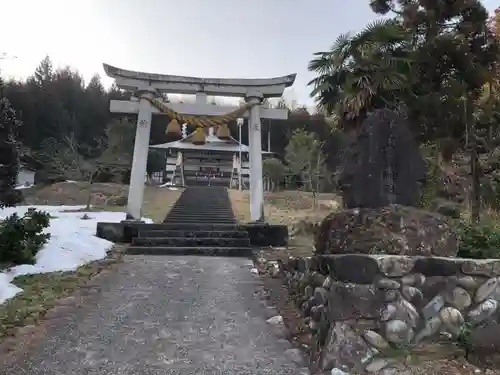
(149, 85)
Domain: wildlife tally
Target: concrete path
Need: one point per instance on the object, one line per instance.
(166, 315)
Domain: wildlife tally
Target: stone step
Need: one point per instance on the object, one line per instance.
(213, 218)
(201, 208)
(202, 216)
(194, 226)
(201, 205)
(207, 251)
(191, 233)
(198, 221)
(191, 241)
(200, 213)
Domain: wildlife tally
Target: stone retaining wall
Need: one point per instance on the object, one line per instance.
(369, 312)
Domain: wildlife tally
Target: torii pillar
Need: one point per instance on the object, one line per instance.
(255, 154)
(140, 156)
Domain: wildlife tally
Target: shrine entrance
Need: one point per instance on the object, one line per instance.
(146, 100)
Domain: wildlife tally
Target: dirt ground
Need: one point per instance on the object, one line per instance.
(105, 197)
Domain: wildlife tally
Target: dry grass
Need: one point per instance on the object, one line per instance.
(285, 207)
(157, 201)
(41, 292)
(292, 208)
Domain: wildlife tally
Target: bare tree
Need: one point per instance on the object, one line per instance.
(69, 159)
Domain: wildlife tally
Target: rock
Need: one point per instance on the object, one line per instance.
(388, 313)
(434, 266)
(489, 288)
(431, 327)
(352, 301)
(344, 349)
(117, 201)
(433, 307)
(307, 306)
(296, 356)
(327, 284)
(458, 298)
(387, 284)
(320, 296)
(484, 311)
(317, 312)
(414, 279)
(485, 343)
(372, 173)
(336, 371)
(367, 269)
(452, 320)
(376, 340)
(313, 325)
(275, 320)
(482, 267)
(395, 266)
(396, 230)
(467, 282)
(406, 311)
(392, 295)
(317, 279)
(398, 332)
(308, 292)
(378, 364)
(411, 293)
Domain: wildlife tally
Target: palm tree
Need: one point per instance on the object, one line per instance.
(362, 72)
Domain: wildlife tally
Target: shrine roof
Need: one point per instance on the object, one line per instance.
(212, 143)
(208, 146)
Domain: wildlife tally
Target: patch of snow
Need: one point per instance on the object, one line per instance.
(275, 320)
(72, 244)
(70, 182)
(24, 186)
(168, 185)
(336, 371)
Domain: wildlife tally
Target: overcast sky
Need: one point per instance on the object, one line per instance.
(210, 38)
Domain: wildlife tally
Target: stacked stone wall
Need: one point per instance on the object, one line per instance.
(370, 313)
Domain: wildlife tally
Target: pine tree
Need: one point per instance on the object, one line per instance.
(9, 153)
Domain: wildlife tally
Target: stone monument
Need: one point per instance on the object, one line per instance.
(383, 166)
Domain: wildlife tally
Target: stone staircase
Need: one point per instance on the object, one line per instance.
(201, 222)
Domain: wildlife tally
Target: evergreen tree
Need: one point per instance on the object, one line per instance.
(9, 153)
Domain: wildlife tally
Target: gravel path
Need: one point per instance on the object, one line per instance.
(166, 315)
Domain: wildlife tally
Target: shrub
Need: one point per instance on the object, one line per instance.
(22, 237)
(481, 241)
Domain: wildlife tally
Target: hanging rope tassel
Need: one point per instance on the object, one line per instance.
(173, 128)
(219, 122)
(223, 132)
(198, 137)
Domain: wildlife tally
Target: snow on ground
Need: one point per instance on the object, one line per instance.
(72, 243)
(169, 186)
(26, 186)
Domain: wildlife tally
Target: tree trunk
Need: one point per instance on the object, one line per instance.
(475, 203)
(476, 186)
(89, 191)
